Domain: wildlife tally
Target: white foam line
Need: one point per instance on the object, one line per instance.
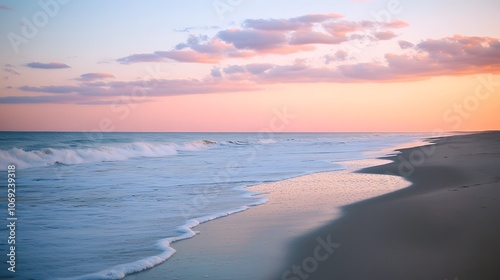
(122, 270)
(99, 153)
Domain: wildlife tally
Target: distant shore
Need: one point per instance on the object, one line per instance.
(446, 225)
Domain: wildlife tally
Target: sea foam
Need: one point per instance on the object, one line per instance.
(99, 153)
(185, 232)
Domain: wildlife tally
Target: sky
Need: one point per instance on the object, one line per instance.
(250, 65)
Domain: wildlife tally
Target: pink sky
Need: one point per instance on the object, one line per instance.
(328, 71)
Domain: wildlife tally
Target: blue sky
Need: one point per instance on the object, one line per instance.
(111, 28)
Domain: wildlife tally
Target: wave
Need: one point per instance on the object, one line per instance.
(186, 231)
(118, 152)
(198, 145)
(248, 142)
(237, 142)
(267, 141)
(85, 153)
(82, 151)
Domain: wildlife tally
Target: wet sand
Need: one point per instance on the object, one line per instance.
(446, 225)
(253, 244)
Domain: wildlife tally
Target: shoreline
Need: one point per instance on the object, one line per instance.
(444, 226)
(289, 158)
(252, 233)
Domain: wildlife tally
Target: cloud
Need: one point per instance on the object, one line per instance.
(38, 99)
(140, 57)
(51, 65)
(298, 72)
(457, 55)
(405, 45)
(252, 39)
(451, 56)
(189, 56)
(291, 24)
(258, 68)
(112, 92)
(51, 89)
(191, 28)
(95, 76)
(199, 49)
(340, 55)
(9, 68)
(258, 37)
(234, 69)
(216, 73)
(395, 24)
(5, 8)
(384, 35)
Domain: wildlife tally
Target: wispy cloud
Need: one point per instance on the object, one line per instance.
(110, 92)
(11, 71)
(405, 44)
(39, 99)
(51, 89)
(191, 28)
(5, 8)
(50, 65)
(95, 76)
(256, 37)
(9, 68)
(340, 55)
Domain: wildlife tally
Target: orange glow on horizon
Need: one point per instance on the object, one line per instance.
(447, 103)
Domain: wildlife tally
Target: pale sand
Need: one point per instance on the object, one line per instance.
(253, 244)
(446, 225)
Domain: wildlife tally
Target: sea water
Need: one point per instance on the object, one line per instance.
(101, 206)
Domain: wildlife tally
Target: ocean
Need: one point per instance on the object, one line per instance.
(101, 206)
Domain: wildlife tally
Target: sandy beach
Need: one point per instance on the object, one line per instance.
(444, 226)
(253, 244)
